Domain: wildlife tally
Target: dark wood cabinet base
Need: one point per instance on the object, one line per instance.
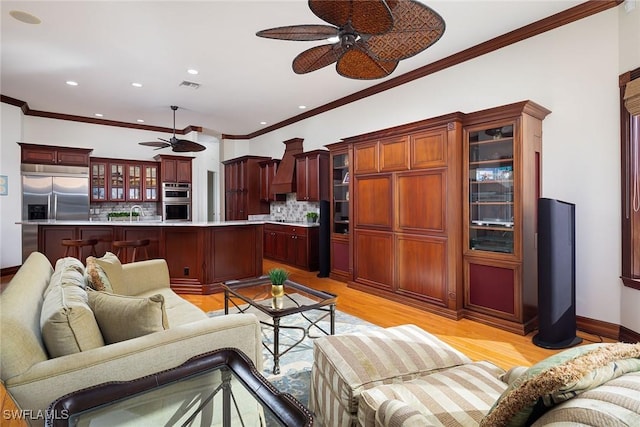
(199, 257)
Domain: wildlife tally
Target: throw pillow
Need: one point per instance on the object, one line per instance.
(96, 277)
(113, 270)
(559, 378)
(67, 323)
(123, 317)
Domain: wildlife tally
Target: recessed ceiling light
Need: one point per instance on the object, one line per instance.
(134, 84)
(25, 17)
(98, 114)
(192, 71)
(72, 83)
(302, 107)
(263, 123)
(140, 121)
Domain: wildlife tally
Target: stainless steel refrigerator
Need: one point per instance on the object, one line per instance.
(51, 192)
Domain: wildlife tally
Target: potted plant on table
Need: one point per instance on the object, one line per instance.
(312, 216)
(277, 276)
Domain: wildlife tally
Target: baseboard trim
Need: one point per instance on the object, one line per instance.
(8, 271)
(598, 327)
(627, 335)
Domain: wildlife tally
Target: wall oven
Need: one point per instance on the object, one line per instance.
(176, 201)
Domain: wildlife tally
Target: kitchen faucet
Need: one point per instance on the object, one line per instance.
(131, 211)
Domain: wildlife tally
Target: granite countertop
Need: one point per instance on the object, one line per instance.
(167, 223)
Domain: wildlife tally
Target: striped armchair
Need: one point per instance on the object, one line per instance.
(404, 376)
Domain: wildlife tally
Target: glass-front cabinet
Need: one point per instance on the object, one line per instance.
(502, 157)
(340, 182)
(491, 189)
(151, 182)
(134, 182)
(98, 181)
(116, 181)
(340, 240)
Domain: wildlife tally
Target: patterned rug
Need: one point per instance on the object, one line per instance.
(295, 364)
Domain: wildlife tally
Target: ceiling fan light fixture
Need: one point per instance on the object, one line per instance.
(177, 145)
(381, 32)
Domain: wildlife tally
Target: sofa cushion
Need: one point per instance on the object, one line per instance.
(113, 269)
(460, 395)
(559, 378)
(67, 323)
(346, 365)
(96, 277)
(122, 317)
(614, 403)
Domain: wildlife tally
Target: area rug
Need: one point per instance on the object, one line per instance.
(295, 365)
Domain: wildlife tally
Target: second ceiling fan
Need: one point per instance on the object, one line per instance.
(177, 145)
(368, 37)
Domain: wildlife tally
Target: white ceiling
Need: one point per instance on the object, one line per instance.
(107, 45)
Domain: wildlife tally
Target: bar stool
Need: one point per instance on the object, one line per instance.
(75, 246)
(135, 244)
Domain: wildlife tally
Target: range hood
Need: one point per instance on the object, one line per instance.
(285, 179)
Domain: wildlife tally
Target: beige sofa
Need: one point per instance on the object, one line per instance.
(34, 379)
(403, 376)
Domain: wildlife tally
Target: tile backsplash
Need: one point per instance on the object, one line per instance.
(99, 211)
(293, 210)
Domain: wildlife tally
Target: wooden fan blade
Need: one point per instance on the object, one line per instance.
(357, 64)
(415, 28)
(364, 16)
(185, 146)
(317, 57)
(299, 32)
(158, 144)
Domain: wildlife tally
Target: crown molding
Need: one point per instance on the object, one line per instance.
(93, 120)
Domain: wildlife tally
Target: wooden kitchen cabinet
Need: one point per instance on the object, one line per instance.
(268, 169)
(293, 245)
(174, 168)
(198, 257)
(340, 211)
(54, 155)
(242, 188)
(312, 176)
(502, 164)
(406, 214)
(118, 180)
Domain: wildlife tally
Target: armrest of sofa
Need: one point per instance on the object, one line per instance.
(46, 381)
(142, 276)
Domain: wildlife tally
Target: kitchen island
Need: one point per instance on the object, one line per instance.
(200, 255)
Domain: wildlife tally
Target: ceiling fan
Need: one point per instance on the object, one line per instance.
(367, 37)
(177, 145)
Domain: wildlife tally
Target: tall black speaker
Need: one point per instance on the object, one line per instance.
(556, 275)
(324, 257)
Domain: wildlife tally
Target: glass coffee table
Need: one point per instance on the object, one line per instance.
(256, 293)
(219, 388)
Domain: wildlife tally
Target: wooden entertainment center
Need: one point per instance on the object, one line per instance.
(442, 214)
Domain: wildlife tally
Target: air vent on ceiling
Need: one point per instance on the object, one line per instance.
(189, 84)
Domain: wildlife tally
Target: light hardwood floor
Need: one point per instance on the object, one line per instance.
(478, 341)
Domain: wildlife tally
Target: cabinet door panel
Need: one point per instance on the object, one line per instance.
(422, 267)
(183, 170)
(373, 262)
(234, 250)
(492, 289)
(139, 233)
(104, 235)
(420, 199)
(340, 256)
(428, 149)
(373, 207)
(365, 158)
(394, 155)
